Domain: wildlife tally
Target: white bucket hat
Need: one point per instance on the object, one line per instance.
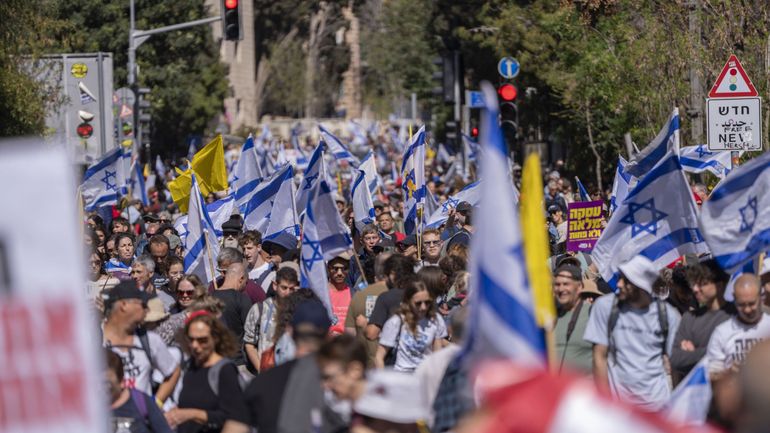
(641, 272)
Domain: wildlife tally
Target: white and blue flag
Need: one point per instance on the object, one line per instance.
(666, 140)
(324, 236)
(103, 181)
(735, 219)
(697, 159)
(658, 220)
(257, 212)
(219, 212)
(501, 318)
(584, 196)
(369, 166)
(313, 174)
(191, 149)
(363, 206)
(336, 148)
(689, 401)
(247, 173)
(471, 193)
(201, 246)
(283, 215)
(160, 168)
(431, 204)
(137, 184)
(413, 183)
(621, 185)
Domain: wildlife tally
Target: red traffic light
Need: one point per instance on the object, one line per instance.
(474, 132)
(231, 4)
(507, 92)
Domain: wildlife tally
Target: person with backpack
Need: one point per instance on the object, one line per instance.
(632, 334)
(211, 388)
(415, 332)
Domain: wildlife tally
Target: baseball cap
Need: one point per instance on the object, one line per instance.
(408, 241)
(233, 225)
(392, 396)
(464, 206)
(123, 290)
(553, 208)
(279, 244)
(378, 203)
(150, 217)
(311, 312)
(174, 241)
(574, 272)
(640, 271)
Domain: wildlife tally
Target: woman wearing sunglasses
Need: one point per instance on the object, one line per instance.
(416, 331)
(211, 392)
(189, 289)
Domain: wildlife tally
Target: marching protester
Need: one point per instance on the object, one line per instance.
(362, 306)
(573, 351)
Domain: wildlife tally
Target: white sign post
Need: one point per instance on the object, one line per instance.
(734, 114)
(735, 124)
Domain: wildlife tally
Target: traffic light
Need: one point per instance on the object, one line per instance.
(474, 132)
(449, 75)
(231, 20)
(509, 113)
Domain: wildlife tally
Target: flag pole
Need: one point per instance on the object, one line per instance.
(211, 260)
(360, 268)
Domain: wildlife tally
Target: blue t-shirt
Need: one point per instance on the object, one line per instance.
(129, 412)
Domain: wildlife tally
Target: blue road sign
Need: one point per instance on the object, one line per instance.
(508, 67)
(475, 99)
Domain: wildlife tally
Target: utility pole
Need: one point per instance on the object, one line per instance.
(696, 90)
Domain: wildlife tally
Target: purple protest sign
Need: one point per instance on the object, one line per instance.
(584, 227)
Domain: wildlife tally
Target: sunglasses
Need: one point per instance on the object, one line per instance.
(185, 293)
(338, 269)
(431, 243)
(419, 303)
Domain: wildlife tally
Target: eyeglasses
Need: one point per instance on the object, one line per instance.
(185, 293)
(419, 303)
(431, 243)
(338, 269)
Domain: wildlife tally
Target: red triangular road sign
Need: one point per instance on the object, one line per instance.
(733, 81)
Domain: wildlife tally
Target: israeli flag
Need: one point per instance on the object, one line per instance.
(666, 140)
(219, 212)
(247, 173)
(191, 149)
(471, 193)
(359, 135)
(735, 219)
(312, 175)
(201, 246)
(363, 207)
(454, 169)
(160, 168)
(501, 318)
(697, 159)
(301, 158)
(657, 220)
(257, 212)
(689, 401)
(584, 196)
(431, 204)
(283, 215)
(103, 181)
(621, 185)
(471, 154)
(126, 164)
(370, 168)
(324, 236)
(442, 154)
(336, 148)
(138, 188)
(413, 175)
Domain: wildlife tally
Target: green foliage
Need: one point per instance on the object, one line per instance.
(286, 88)
(188, 82)
(24, 36)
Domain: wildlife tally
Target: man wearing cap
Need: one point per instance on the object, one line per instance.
(633, 334)
(284, 397)
(143, 352)
(574, 353)
(708, 282)
(557, 227)
(151, 226)
(231, 230)
(275, 249)
(554, 197)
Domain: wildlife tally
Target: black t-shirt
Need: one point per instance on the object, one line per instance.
(264, 395)
(387, 304)
(154, 422)
(196, 393)
(237, 306)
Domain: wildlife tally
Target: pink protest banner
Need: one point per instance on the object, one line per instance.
(584, 227)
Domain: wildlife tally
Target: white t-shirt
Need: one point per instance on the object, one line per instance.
(136, 365)
(412, 348)
(635, 371)
(732, 340)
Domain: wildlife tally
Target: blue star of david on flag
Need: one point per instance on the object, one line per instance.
(309, 180)
(450, 203)
(748, 215)
(106, 179)
(703, 150)
(315, 254)
(639, 226)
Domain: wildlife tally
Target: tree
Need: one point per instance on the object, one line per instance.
(188, 82)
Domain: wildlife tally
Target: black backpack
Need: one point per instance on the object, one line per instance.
(613, 320)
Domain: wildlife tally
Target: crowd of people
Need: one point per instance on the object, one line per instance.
(254, 349)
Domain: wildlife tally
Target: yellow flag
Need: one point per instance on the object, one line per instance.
(209, 167)
(536, 245)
